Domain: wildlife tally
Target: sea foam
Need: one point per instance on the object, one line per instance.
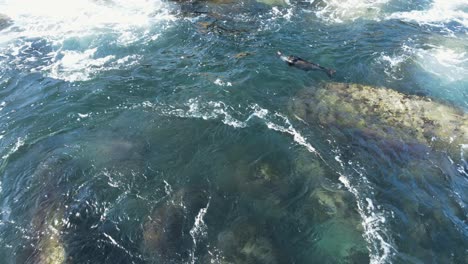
(68, 32)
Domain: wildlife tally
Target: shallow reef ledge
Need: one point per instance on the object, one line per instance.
(385, 114)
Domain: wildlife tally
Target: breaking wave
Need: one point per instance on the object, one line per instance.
(64, 36)
(440, 13)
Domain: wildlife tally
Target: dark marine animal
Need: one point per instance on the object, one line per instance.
(305, 65)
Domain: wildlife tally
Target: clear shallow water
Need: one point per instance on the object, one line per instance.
(120, 119)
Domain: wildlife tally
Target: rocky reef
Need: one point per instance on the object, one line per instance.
(243, 242)
(385, 114)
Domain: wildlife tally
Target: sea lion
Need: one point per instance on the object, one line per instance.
(305, 65)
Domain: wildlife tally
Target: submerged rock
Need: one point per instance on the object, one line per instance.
(385, 114)
(309, 166)
(51, 246)
(48, 247)
(242, 55)
(243, 243)
(340, 241)
(329, 203)
(48, 217)
(166, 234)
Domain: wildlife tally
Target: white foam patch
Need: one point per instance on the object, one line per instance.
(341, 11)
(446, 63)
(222, 83)
(19, 143)
(447, 60)
(440, 12)
(82, 66)
(284, 13)
(77, 66)
(58, 23)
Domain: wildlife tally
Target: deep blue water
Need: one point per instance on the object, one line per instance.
(162, 132)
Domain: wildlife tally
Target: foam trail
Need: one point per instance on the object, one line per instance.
(215, 110)
(19, 143)
(377, 236)
(298, 138)
(199, 230)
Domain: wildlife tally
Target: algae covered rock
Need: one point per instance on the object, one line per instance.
(385, 114)
(166, 233)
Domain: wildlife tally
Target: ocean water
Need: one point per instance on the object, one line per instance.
(152, 131)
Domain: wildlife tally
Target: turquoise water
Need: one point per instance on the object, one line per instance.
(162, 132)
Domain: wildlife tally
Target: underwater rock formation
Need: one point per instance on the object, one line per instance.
(51, 246)
(166, 234)
(244, 243)
(48, 217)
(385, 114)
